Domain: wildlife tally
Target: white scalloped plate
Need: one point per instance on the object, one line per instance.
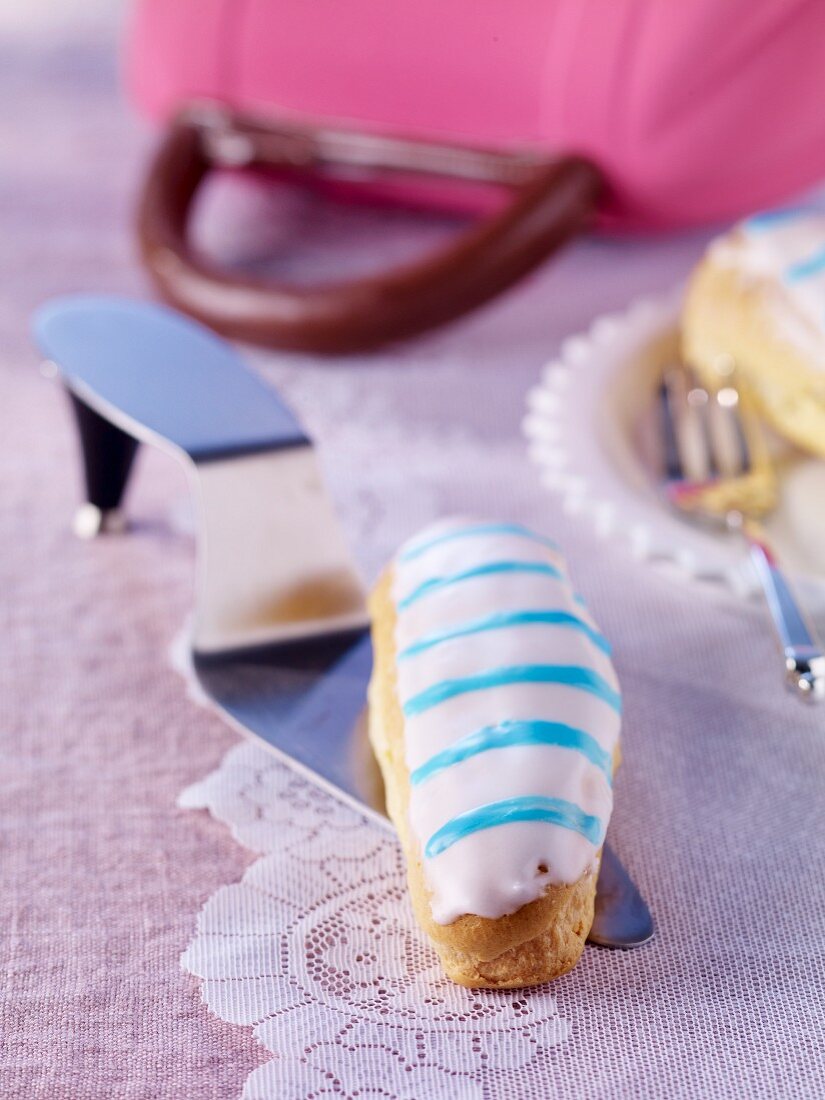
(585, 426)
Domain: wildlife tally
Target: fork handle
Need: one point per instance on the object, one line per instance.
(804, 656)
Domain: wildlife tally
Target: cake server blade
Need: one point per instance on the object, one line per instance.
(280, 641)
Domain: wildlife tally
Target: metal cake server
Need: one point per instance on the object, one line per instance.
(280, 639)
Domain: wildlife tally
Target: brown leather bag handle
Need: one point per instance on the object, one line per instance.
(551, 201)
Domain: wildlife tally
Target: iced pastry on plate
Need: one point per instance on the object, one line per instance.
(494, 715)
(755, 309)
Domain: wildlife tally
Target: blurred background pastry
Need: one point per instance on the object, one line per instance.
(756, 307)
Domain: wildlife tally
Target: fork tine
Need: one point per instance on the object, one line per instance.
(729, 438)
(671, 457)
(684, 427)
(700, 404)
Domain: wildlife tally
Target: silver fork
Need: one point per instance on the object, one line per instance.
(717, 469)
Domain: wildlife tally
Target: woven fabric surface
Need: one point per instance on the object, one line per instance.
(719, 802)
(316, 949)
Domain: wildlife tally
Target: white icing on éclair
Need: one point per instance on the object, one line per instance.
(511, 716)
(785, 251)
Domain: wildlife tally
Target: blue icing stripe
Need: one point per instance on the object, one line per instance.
(554, 811)
(767, 219)
(491, 568)
(502, 619)
(510, 734)
(570, 675)
(804, 269)
(419, 548)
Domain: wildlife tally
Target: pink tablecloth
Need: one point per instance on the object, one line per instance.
(102, 876)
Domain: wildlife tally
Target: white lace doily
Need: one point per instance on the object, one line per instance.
(317, 951)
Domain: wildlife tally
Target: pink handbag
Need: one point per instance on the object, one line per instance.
(644, 113)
